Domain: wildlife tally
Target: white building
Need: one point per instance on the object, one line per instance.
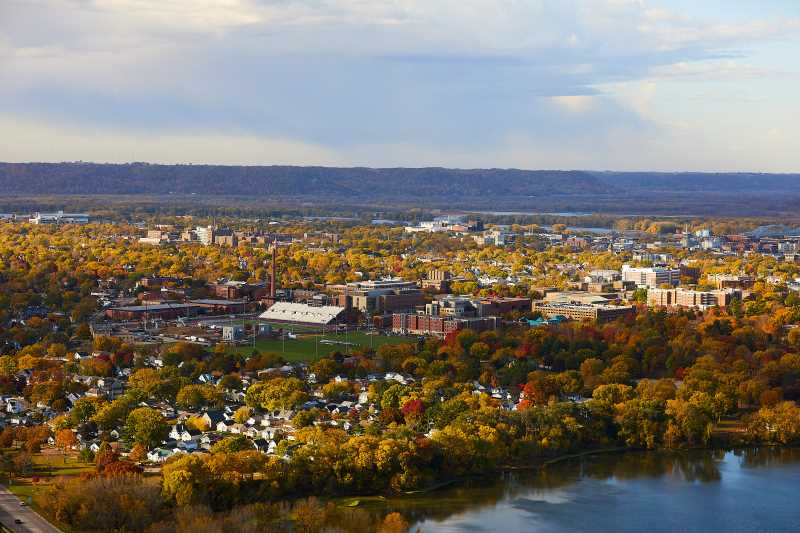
(297, 313)
(59, 218)
(652, 277)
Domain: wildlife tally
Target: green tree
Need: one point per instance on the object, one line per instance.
(146, 426)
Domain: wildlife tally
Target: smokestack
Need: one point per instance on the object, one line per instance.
(272, 277)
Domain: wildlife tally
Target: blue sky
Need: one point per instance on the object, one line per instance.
(590, 84)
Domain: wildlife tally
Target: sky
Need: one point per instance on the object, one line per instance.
(672, 85)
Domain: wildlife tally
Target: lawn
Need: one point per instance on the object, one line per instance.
(310, 347)
(45, 468)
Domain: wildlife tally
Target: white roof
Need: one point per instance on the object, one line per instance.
(302, 313)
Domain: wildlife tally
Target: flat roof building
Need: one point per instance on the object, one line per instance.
(688, 298)
(579, 311)
(651, 277)
(438, 326)
(165, 311)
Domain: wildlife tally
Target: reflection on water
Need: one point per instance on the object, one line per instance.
(737, 491)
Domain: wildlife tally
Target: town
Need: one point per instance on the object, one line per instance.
(136, 347)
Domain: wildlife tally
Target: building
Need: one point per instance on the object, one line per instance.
(651, 277)
(166, 311)
(579, 311)
(688, 298)
(232, 333)
(496, 236)
(439, 326)
(234, 290)
(297, 313)
(205, 234)
(729, 281)
(581, 297)
(379, 297)
(59, 218)
(502, 306)
(437, 280)
(227, 307)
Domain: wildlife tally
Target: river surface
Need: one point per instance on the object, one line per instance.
(699, 491)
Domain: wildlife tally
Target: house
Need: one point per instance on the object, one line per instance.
(16, 406)
(224, 426)
(159, 455)
(213, 417)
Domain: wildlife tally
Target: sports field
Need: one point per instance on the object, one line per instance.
(310, 347)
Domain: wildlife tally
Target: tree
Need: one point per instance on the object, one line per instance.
(276, 394)
(65, 440)
(779, 424)
(84, 409)
(138, 453)
(197, 396)
(146, 426)
(232, 444)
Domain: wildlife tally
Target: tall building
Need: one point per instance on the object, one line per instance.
(205, 234)
(651, 277)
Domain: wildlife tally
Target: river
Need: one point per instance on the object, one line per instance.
(697, 491)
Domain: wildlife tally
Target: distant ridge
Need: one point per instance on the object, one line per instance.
(295, 181)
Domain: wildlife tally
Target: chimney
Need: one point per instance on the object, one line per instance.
(272, 276)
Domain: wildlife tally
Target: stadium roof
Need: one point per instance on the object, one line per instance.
(301, 313)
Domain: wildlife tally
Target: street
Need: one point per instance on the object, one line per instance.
(11, 509)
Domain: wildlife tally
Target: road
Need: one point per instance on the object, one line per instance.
(10, 509)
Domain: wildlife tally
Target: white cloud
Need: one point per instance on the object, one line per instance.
(445, 81)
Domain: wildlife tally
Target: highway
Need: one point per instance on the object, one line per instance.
(11, 509)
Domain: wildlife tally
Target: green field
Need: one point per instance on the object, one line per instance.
(308, 347)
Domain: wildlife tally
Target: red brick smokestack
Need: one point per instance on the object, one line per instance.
(272, 277)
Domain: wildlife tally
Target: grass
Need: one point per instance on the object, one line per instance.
(46, 468)
(307, 347)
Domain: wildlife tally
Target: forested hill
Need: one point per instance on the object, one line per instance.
(364, 183)
(702, 181)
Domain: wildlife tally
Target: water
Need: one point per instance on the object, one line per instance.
(699, 491)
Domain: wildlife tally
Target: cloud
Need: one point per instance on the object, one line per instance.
(363, 81)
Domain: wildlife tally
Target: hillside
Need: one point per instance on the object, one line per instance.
(271, 181)
(724, 182)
